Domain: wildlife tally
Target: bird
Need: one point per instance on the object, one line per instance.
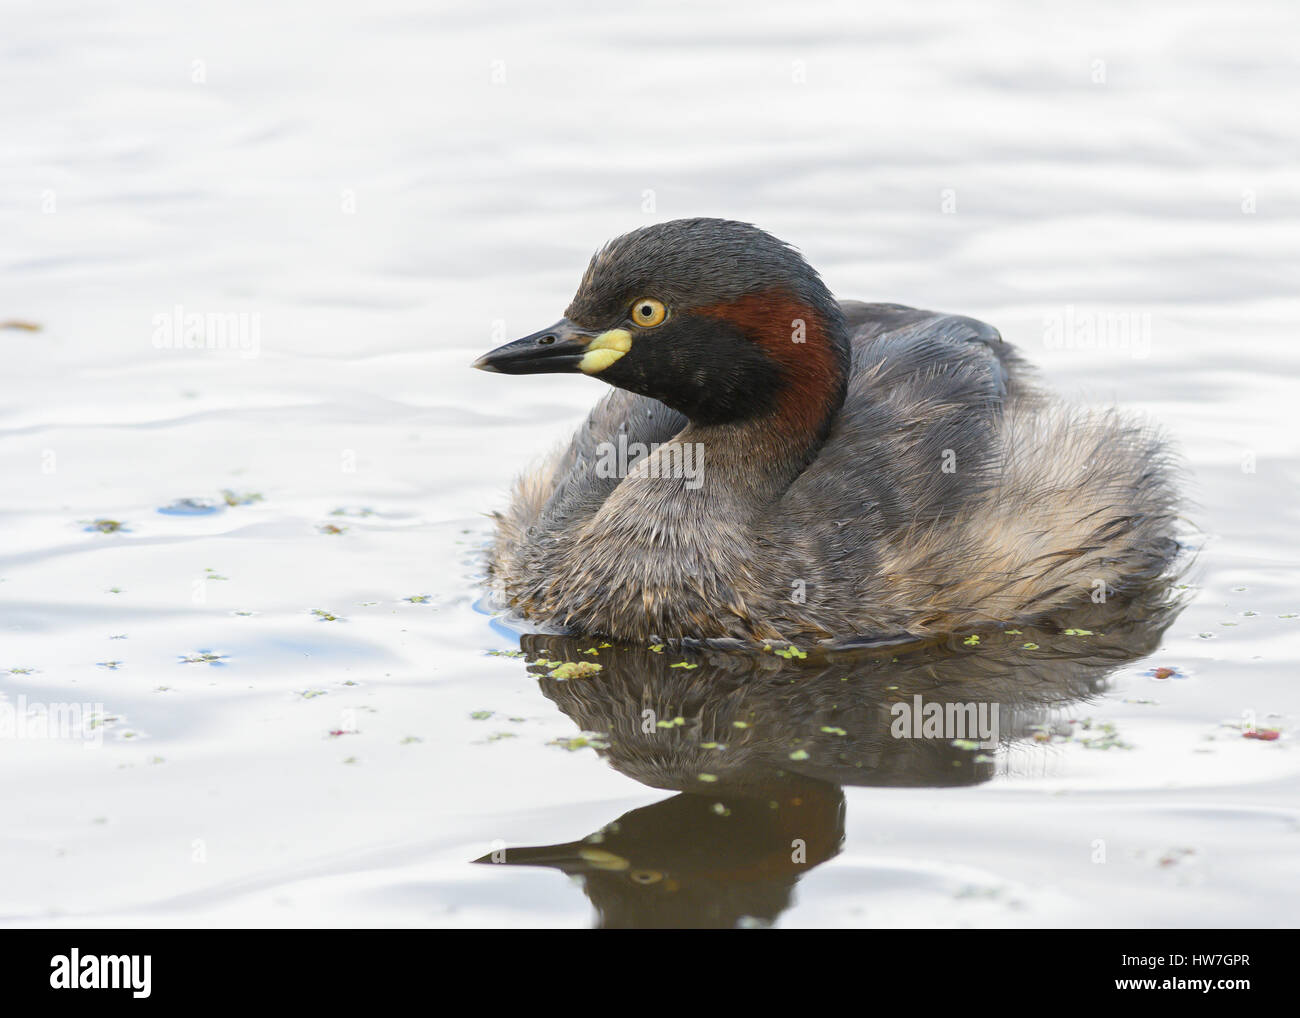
(696, 861)
(774, 465)
(760, 762)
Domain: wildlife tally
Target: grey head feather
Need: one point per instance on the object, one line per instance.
(691, 263)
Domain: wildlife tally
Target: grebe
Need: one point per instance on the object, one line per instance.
(801, 468)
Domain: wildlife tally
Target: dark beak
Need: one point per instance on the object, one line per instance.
(557, 349)
(573, 857)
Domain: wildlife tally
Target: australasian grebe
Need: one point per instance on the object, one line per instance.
(812, 469)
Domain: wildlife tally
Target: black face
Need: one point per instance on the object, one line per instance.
(705, 368)
(650, 316)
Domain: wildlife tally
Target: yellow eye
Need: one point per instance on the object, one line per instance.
(648, 312)
(646, 876)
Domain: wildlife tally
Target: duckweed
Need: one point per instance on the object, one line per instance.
(583, 740)
(575, 670)
(203, 657)
(233, 498)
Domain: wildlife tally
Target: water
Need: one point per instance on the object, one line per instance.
(302, 719)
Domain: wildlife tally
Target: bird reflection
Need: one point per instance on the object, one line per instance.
(759, 747)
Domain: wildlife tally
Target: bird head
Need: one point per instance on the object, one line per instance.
(716, 319)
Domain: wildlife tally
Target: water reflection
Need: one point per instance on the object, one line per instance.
(760, 747)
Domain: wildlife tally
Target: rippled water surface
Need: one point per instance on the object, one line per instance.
(303, 712)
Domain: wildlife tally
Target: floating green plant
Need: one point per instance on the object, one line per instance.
(1098, 736)
(575, 670)
(583, 740)
(203, 657)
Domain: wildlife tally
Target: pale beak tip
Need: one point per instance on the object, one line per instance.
(483, 364)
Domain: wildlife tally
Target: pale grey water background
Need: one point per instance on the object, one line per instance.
(386, 189)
